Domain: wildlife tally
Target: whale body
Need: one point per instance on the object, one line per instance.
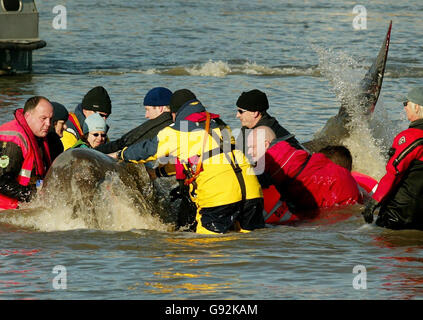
(85, 188)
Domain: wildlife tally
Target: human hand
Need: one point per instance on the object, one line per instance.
(368, 211)
(113, 155)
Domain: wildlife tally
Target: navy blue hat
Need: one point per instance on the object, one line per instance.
(158, 97)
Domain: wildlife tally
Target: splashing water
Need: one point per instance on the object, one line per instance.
(90, 191)
(368, 138)
(342, 71)
(221, 68)
(210, 68)
(111, 209)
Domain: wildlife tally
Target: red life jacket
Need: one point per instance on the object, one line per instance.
(275, 210)
(309, 182)
(7, 203)
(407, 147)
(18, 132)
(366, 182)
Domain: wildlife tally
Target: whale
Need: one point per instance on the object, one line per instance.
(85, 176)
(91, 190)
(359, 104)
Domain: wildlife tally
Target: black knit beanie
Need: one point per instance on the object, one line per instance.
(59, 112)
(254, 100)
(179, 98)
(98, 100)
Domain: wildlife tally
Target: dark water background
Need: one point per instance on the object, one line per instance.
(298, 52)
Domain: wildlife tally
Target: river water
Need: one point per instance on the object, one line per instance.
(298, 52)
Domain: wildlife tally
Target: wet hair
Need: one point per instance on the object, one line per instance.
(339, 155)
(32, 102)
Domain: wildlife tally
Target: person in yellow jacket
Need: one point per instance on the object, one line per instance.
(221, 181)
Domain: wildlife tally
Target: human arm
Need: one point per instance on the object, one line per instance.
(166, 170)
(140, 152)
(116, 145)
(111, 147)
(162, 147)
(10, 166)
(403, 152)
(405, 149)
(144, 131)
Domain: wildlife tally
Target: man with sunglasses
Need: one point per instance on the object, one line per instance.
(96, 100)
(252, 112)
(400, 191)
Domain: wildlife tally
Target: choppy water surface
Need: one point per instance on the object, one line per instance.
(299, 53)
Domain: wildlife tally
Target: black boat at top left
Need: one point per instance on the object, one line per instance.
(18, 35)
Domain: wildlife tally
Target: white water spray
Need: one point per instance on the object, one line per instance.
(367, 141)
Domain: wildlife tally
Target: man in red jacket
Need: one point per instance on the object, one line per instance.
(24, 152)
(306, 181)
(400, 191)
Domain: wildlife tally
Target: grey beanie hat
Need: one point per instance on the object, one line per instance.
(415, 95)
(94, 123)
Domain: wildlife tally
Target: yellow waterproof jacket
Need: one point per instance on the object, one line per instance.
(68, 140)
(184, 142)
(74, 130)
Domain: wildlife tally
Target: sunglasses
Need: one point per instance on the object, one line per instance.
(405, 103)
(103, 115)
(103, 135)
(240, 111)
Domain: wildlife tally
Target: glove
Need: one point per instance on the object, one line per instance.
(368, 211)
